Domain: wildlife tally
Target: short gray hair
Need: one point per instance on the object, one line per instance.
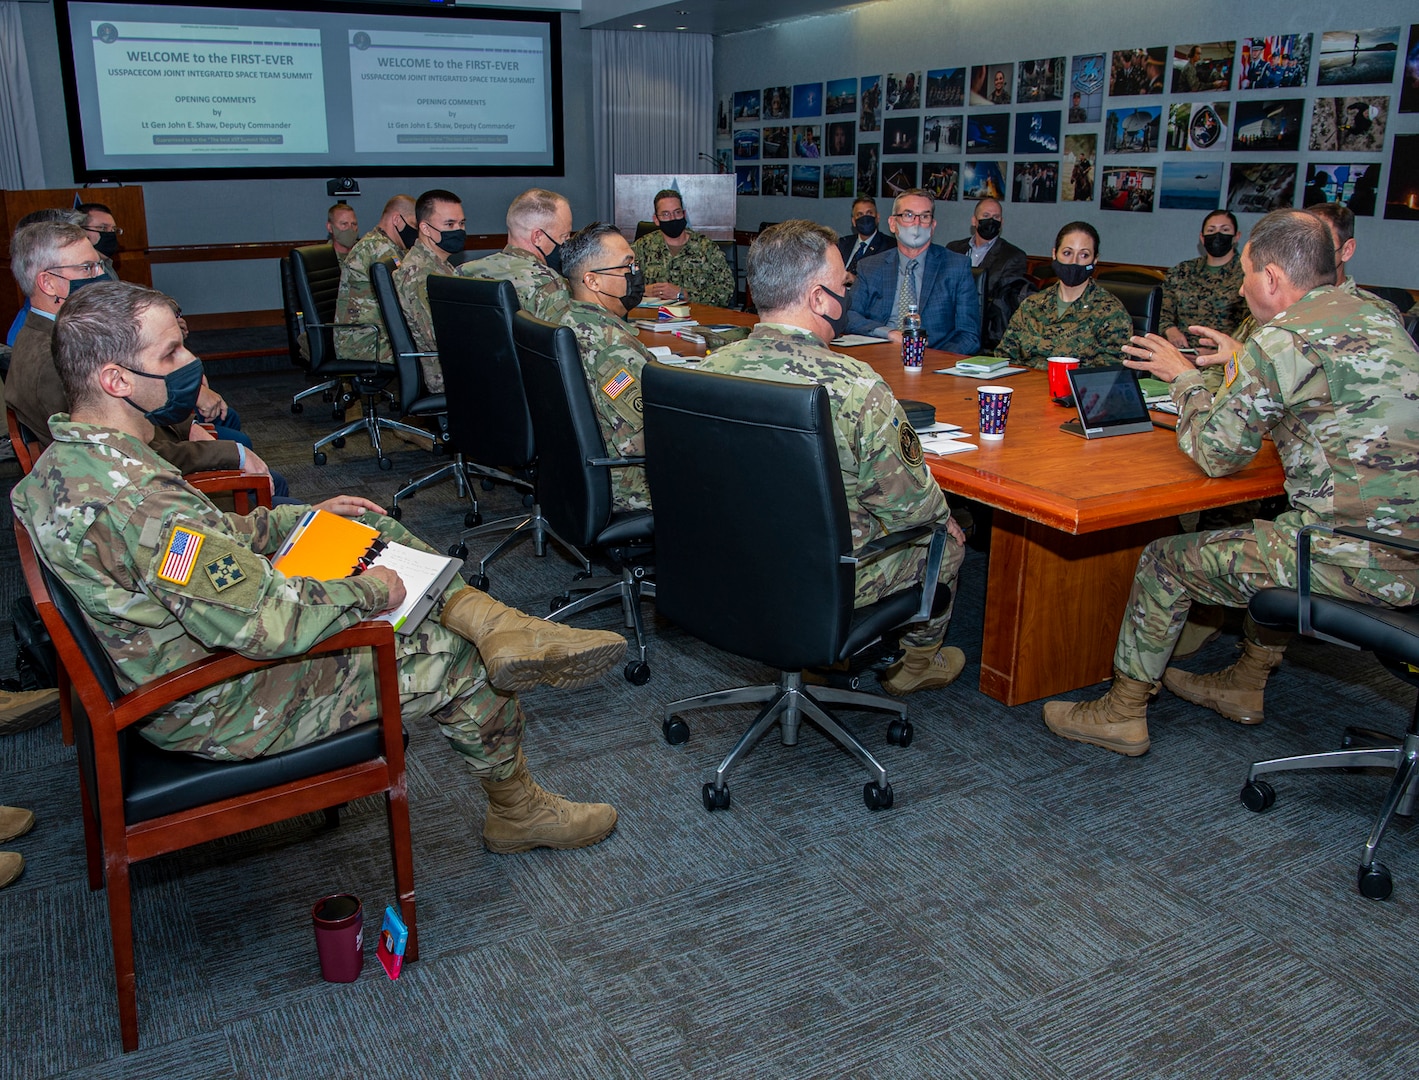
(534, 209)
(920, 193)
(35, 248)
(101, 325)
(1298, 243)
(585, 249)
(784, 259)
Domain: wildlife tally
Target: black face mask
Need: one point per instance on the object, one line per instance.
(183, 386)
(407, 235)
(866, 225)
(107, 244)
(1217, 244)
(1072, 273)
(839, 322)
(552, 258)
(75, 284)
(988, 228)
(674, 227)
(635, 290)
(451, 240)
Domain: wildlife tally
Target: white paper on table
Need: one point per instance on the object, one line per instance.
(850, 341)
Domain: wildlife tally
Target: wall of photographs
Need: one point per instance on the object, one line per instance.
(1242, 123)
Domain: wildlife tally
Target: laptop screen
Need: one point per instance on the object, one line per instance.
(1108, 396)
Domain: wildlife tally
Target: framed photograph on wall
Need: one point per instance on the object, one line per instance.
(983, 179)
(870, 119)
(1040, 81)
(868, 159)
(1356, 186)
(1077, 168)
(904, 91)
(1409, 74)
(1086, 88)
(746, 106)
(1036, 182)
(1191, 185)
(808, 100)
(807, 141)
(841, 139)
(1350, 57)
(805, 181)
(988, 133)
(991, 84)
(1198, 125)
(1133, 130)
(841, 97)
(746, 144)
(1402, 199)
(897, 177)
(1037, 132)
(1350, 123)
(1268, 125)
(946, 88)
(839, 180)
(1281, 61)
(1203, 66)
(1136, 71)
(1258, 187)
(774, 180)
(901, 135)
(746, 180)
(942, 179)
(774, 143)
(1129, 188)
(778, 102)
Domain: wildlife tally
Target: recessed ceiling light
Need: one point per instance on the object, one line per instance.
(682, 28)
(638, 26)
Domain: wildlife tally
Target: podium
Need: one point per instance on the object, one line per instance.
(128, 210)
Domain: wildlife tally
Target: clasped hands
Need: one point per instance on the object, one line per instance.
(1161, 359)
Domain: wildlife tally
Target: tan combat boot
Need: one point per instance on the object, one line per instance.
(25, 709)
(1118, 721)
(1235, 692)
(924, 667)
(522, 816)
(12, 865)
(521, 652)
(1203, 627)
(14, 821)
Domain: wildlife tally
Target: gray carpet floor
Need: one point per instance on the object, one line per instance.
(1029, 908)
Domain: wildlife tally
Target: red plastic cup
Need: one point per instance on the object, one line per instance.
(1059, 375)
(339, 937)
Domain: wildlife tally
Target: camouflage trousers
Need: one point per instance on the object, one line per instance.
(1223, 567)
(901, 570)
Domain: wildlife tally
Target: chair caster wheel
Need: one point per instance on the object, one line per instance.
(1258, 795)
(1374, 881)
(637, 673)
(297, 407)
(396, 512)
(487, 484)
(582, 575)
(529, 501)
(472, 519)
(900, 732)
(385, 464)
(458, 551)
(320, 457)
(676, 731)
(559, 601)
(479, 582)
(877, 798)
(715, 798)
(339, 443)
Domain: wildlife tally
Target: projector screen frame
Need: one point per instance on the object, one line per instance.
(83, 173)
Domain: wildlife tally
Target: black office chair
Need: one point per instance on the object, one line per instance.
(774, 580)
(491, 424)
(329, 389)
(315, 271)
(645, 227)
(574, 480)
(1392, 634)
(1143, 302)
(982, 281)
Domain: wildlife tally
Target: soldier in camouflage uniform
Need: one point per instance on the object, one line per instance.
(679, 263)
(1340, 219)
(798, 280)
(440, 220)
(356, 303)
(1334, 381)
(1205, 291)
(598, 258)
(1073, 316)
(534, 218)
(165, 579)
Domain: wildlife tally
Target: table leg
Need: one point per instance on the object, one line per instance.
(1054, 602)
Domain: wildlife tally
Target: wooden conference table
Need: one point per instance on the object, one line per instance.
(1071, 516)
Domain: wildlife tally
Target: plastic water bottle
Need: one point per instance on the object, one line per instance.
(913, 341)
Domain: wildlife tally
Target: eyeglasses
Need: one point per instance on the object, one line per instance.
(911, 218)
(629, 269)
(105, 229)
(670, 215)
(87, 269)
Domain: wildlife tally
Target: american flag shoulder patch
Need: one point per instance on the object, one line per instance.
(618, 383)
(181, 555)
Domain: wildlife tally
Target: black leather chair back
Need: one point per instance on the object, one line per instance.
(575, 497)
(982, 287)
(289, 309)
(482, 378)
(315, 273)
(401, 339)
(750, 514)
(644, 228)
(1143, 302)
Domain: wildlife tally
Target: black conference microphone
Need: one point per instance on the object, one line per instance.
(718, 165)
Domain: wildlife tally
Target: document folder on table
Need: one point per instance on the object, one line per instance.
(328, 546)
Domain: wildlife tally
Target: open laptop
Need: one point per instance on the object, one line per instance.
(1110, 402)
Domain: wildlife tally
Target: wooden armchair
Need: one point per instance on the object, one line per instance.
(139, 801)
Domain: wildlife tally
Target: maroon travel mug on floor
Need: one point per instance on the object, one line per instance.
(339, 937)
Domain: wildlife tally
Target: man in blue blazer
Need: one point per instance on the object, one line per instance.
(940, 280)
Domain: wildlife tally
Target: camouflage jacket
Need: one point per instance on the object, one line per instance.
(110, 518)
(699, 268)
(1093, 328)
(1334, 381)
(356, 302)
(888, 485)
(1195, 294)
(541, 291)
(411, 282)
(612, 359)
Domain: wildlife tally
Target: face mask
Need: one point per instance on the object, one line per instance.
(451, 240)
(674, 227)
(552, 258)
(635, 290)
(1217, 244)
(75, 284)
(346, 237)
(838, 322)
(866, 225)
(1072, 273)
(183, 386)
(407, 235)
(988, 228)
(107, 244)
(914, 236)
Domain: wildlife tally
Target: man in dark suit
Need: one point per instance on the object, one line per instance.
(1003, 264)
(936, 280)
(866, 238)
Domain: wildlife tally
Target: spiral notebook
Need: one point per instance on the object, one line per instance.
(328, 546)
